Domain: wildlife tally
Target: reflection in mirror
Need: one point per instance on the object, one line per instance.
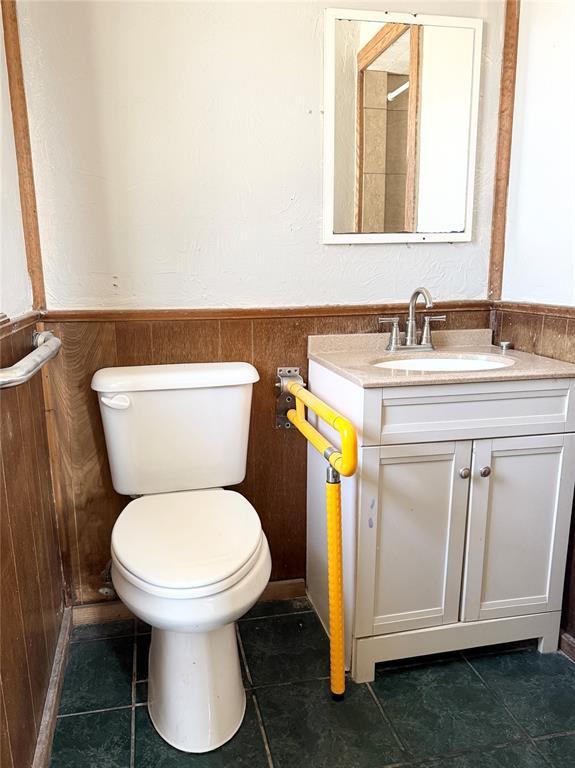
(386, 114)
(404, 112)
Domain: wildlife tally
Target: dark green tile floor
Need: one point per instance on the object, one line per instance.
(505, 707)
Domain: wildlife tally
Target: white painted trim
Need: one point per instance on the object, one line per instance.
(331, 16)
(367, 533)
(367, 651)
(562, 524)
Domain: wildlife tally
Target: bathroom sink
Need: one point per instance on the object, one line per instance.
(443, 363)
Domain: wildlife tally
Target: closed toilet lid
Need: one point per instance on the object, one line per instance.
(187, 539)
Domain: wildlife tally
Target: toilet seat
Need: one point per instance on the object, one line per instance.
(187, 544)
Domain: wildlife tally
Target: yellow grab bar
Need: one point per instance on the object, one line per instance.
(342, 462)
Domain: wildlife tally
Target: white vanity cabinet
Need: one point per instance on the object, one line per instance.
(456, 524)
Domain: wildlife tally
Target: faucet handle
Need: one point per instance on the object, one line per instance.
(426, 335)
(394, 338)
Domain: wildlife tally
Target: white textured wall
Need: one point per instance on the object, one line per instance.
(15, 289)
(178, 158)
(540, 239)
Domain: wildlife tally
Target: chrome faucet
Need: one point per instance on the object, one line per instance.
(395, 342)
(411, 328)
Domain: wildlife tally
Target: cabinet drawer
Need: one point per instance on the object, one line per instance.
(463, 411)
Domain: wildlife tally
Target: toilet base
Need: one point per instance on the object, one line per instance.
(196, 697)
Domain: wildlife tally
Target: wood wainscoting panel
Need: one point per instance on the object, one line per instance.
(21, 520)
(31, 579)
(14, 666)
(134, 343)
(275, 480)
(553, 337)
(185, 341)
(44, 543)
(87, 347)
(278, 456)
(58, 416)
(5, 745)
(523, 329)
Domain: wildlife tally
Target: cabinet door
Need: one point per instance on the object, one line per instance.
(417, 541)
(519, 514)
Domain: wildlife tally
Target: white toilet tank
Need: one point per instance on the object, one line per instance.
(176, 427)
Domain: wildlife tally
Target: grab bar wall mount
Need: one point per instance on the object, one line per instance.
(46, 346)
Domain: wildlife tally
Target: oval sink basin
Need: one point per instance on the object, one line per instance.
(445, 363)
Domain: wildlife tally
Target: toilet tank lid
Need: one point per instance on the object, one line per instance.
(141, 378)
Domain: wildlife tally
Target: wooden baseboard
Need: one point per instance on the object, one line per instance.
(284, 590)
(114, 610)
(43, 751)
(567, 645)
(100, 613)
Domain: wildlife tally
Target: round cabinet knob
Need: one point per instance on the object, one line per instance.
(485, 471)
(464, 472)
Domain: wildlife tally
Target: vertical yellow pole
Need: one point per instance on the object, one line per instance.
(335, 581)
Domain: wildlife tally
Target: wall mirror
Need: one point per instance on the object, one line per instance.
(401, 97)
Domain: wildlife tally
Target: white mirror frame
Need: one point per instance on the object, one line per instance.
(332, 15)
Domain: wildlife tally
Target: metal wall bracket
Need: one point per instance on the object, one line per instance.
(285, 400)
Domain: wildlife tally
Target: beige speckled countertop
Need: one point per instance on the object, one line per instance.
(352, 356)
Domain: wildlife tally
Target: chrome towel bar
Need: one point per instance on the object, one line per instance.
(46, 347)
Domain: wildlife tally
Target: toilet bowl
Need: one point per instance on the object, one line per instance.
(188, 557)
(191, 579)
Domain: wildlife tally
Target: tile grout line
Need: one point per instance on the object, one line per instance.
(133, 712)
(299, 681)
(387, 720)
(259, 686)
(100, 639)
(274, 616)
(243, 655)
(424, 661)
(499, 698)
(437, 760)
(93, 711)
(263, 731)
(557, 735)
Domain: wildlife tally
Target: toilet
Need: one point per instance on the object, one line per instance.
(188, 557)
